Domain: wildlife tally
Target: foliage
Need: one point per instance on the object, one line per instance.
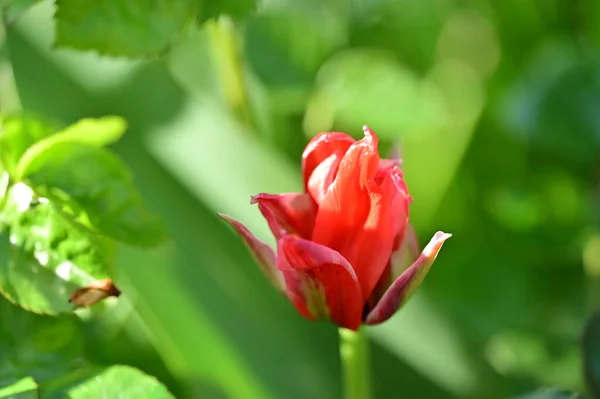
(65, 200)
(492, 104)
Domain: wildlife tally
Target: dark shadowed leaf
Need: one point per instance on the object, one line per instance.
(37, 346)
(99, 183)
(130, 28)
(276, 54)
(591, 353)
(551, 394)
(234, 8)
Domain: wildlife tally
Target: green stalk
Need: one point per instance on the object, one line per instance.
(354, 354)
(226, 51)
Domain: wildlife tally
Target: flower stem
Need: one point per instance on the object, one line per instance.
(354, 353)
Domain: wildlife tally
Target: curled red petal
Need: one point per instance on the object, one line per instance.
(405, 285)
(320, 148)
(262, 252)
(322, 176)
(320, 282)
(360, 216)
(289, 213)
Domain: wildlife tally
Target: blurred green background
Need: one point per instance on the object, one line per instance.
(496, 107)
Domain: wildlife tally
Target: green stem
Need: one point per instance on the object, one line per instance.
(229, 66)
(354, 353)
(4, 186)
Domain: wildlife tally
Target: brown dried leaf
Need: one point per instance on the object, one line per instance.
(94, 293)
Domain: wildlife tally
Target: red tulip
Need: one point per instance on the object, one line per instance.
(344, 246)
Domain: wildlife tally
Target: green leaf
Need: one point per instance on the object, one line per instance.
(25, 388)
(112, 382)
(45, 256)
(234, 8)
(37, 346)
(591, 353)
(97, 132)
(15, 8)
(122, 27)
(276, 54)
(19, 132)
(97, 182)
(551, 394)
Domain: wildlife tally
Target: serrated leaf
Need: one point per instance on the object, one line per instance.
(100, 184)
(97, 132)
(112, 382)
(591, 353)
(234, 8)
(24, 281)
(25, 388)
(37, 346)
(45, 256)
(121, 27)
(19, 132)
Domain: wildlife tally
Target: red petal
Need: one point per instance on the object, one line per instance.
(405, 285)
(359, 217)
(320, 282)
(264, 255)
(287, 213)
(322, 177)
(320, 148)
(385, 165)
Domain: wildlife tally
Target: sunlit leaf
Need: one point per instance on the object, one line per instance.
(98, 132)
(15, 8)
(112, 382)
(33, 286)
(122, 27)
(19, 132)
(100, 184)
(45, 256)
(25, 388)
